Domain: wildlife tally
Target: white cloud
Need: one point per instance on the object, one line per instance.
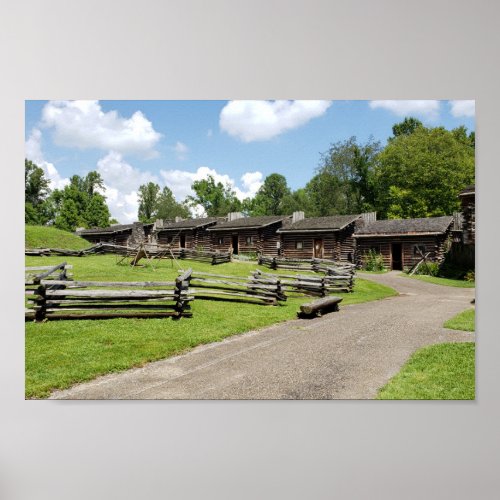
(463, 108)
(180, 181)
(122, 181)
(33, 152)
(83, 124)
(422, 108)
(181, 150)
(263, 120)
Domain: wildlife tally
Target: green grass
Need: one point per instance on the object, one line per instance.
(50, 237)
(463, 321)
(444, 371)
(442, 281)
(61, 353)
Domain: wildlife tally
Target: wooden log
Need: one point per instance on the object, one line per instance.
(120, 284)
(320, 306)
(110, 294)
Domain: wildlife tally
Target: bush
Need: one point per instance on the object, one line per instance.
(373, 261)
(470, 276)
(428, 268)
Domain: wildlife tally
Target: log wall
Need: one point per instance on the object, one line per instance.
(436, 245)
(469, 213)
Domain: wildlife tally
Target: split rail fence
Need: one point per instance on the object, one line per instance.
(64, 299)
(262, 290)
(137, 253)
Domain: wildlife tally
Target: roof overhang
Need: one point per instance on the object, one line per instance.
(235, 228)
(389, 235)
(302, 231)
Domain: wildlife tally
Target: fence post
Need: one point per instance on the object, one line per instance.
(41, 302)
(181, 288)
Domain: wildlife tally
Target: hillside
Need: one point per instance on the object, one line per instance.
(50, 237)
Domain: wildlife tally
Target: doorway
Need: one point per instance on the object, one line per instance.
(397, 257)
(183, 241)
(318, 249)
(235, 244)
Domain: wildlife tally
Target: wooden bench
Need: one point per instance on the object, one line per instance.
(318, 307)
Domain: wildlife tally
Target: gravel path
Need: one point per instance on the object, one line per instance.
(345, 355)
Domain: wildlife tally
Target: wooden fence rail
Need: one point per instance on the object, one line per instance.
(316, 265)
(61, 299)
(310, 284)
(208, 286)
(149, 250)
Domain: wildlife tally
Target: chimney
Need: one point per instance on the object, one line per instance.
(178, 219)
(234, 215)
(296, 216)
(369, 217)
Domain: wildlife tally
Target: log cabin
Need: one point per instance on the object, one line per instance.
(402, 242)
(322, 237)
(190, 233)
(241, 234)
(468, 202)
(118, 234)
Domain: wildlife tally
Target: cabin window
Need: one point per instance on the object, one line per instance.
(419, 250)
(249, 240)
(220, 241)
(299, 245)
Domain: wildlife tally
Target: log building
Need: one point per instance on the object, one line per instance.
(248, 234)
(118, 234)
(322, 237)
(190, 233)
(468, 202)
(402, 242)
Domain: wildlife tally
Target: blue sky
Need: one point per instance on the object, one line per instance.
(239, 142)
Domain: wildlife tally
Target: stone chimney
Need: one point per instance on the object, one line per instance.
(296, 216)
(234, 215)
(138, 235)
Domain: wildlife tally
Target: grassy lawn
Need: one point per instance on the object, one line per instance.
(463, 321)
(50, 237)
(444, 371)
(442, 281)
(61, 353)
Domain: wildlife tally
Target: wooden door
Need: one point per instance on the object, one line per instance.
(318, 249)
(397, 257)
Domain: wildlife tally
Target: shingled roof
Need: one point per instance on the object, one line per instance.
(189, 224)
(107, 230)
(468, 190)
(249, 222)
(318, 224)
(401, 227)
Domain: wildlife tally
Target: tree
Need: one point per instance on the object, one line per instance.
(421, 174)
(148, 201)
(344, 182)
(78, 204)
(406, 127)
(168, 207)
(36, 190)
(270, 196)
(215, 198)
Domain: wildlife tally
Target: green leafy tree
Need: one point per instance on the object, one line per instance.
(215, 198)
(270, 196)
(297, 201)
(97, 212)
(344, 181)
(36, 186)
(406, 127)
(148, 201)
(69, 217)
(421, 174)
(168, 207)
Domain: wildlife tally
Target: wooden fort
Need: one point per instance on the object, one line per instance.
(118, 234)
(189, 234)
(322, 237)
(403, 242)
(248, 234)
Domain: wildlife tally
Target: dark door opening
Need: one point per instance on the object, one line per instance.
(318, 249)
(183, 241)
(397, 257)
(235, 244)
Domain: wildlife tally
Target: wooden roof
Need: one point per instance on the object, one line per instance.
(402, 227)
(249, 222)
(319, 224)
(188, 224)
(107, 230)
(469, 190)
